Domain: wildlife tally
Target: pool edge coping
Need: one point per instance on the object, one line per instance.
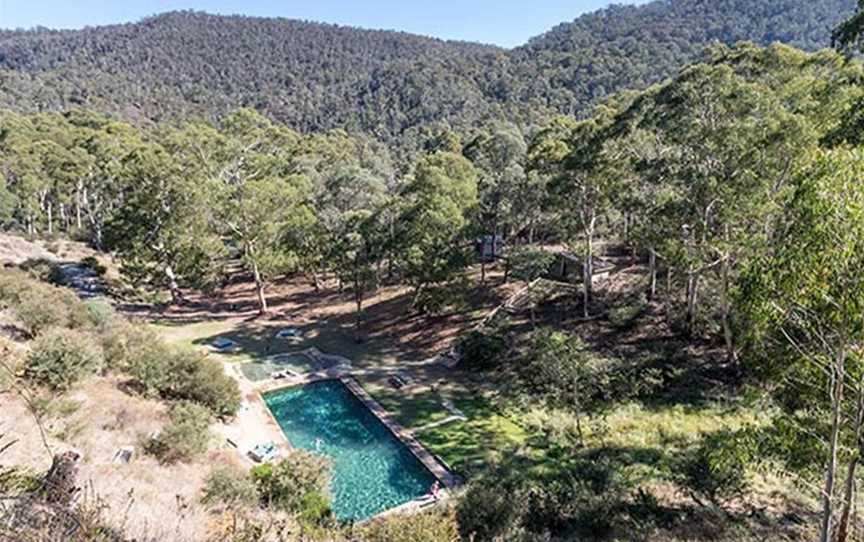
(436, 468)
(432, 464)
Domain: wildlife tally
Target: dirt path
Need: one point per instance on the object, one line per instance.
(82, 279)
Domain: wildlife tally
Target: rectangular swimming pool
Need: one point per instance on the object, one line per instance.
(372, 470)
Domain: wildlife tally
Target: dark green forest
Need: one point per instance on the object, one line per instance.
(388, 85)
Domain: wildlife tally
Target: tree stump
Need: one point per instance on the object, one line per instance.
(60, 484)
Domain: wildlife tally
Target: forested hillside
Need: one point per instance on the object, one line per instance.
(682, 395)
(312, 76)
(667, 343)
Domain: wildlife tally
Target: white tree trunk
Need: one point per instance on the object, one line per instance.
(259, 289)
(692, 296)
(173, 287)
(837, 382)
(78, 189)
(851, 469)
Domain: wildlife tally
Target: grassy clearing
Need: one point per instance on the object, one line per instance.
(674, 426)
(410, 409)
(466, 446)
(258, 340)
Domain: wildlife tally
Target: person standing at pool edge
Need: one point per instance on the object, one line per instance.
(435, 490)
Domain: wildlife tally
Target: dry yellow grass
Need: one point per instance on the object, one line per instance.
(144, 497)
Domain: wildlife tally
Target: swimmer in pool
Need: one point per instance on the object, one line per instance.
(318, 443)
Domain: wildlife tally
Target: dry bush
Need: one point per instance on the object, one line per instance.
(59, 358)
(184, 437)
(432, 526)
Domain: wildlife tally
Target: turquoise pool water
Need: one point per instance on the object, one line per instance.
(372, 470)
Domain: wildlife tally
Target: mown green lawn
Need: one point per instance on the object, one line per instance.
(410, 410)
(467, 446)
(463, 445)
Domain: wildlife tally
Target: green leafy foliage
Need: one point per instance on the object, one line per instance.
(430, 526)
(184, 437)
(41, 269)
(717, 469)
(563, 369)
(93, 264)
(38, 306)
(625, 316)
(581, 499)
(59, 358)
(295, 484)
(171, 372)
(183, 373)
(482, 350)
(850, 34)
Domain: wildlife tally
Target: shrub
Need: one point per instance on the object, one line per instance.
(12, 283)
(587, 494)
(11, 356)
(36, 313)
(94, 265)
(101, 315)
(42, 269)
(433, 526)
(717, 469)
(192, 376)
(230, 487)
(286, 484)
(130, 348)
(184, 437)
(17, 480)
(170, 372)
(61, 357)
(314, 508)
(486, 512)
(562, 369)
(625, 316)
(482, 350)
(41, 306)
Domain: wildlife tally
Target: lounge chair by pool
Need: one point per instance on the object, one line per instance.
(289, 333)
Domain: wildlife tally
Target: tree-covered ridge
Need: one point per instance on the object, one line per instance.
(387, 84)
(633, 46)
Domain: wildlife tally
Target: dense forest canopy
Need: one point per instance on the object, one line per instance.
(386, 84)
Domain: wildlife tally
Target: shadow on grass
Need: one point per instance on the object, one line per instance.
(467, 446)
(257, 339)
